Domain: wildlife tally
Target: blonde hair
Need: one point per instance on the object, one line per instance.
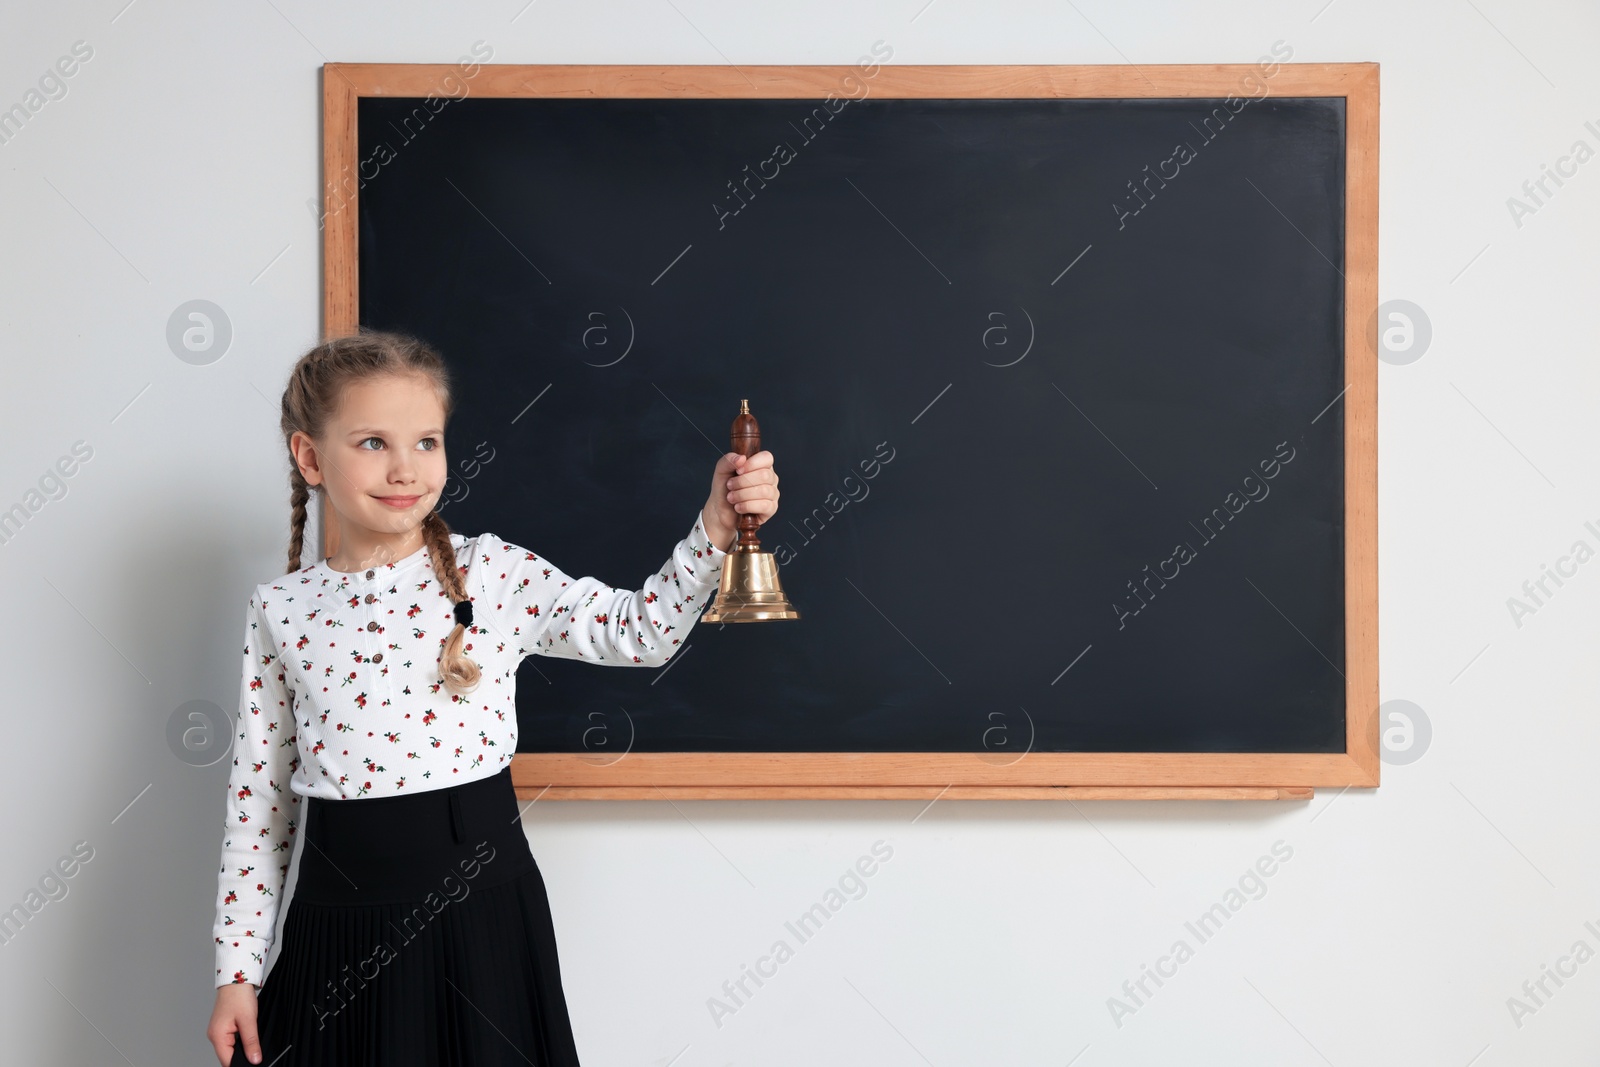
(309, 402)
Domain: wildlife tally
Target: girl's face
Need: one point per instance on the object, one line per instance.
(381, 461)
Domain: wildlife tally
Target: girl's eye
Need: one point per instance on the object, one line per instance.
(431, 442)
(377, 439)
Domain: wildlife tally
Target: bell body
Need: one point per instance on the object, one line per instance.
(750, 590)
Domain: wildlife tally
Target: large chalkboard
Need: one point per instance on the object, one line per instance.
(1054, 386)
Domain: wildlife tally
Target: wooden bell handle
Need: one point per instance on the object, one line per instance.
(745, 439)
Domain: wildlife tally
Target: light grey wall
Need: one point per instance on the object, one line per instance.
(1398, 931)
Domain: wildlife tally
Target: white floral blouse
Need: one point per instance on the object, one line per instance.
(341, 695)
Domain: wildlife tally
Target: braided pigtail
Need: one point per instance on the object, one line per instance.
(458, 670)
(299, 493)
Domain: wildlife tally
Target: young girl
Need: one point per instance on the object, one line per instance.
(379, 685)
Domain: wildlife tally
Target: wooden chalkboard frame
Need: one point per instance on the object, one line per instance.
(952, 775)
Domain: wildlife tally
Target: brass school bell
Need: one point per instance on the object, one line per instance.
(750, 590)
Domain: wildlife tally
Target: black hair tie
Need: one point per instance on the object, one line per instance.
(464, 612)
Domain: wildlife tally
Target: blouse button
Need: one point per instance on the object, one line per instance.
(370, 598)
(369, 574)
(377, 657)
(372, 626)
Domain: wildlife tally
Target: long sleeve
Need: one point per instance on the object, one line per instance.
(542, 611)
(261, 811)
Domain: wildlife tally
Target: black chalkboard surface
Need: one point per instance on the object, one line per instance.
(1054, 403)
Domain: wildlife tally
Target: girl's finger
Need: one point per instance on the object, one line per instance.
(756, 462)
(750, 478)
(760, 491)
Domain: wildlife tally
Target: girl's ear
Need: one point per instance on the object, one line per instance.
(305, 457)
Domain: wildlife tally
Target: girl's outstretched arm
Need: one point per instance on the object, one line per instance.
(538, 608)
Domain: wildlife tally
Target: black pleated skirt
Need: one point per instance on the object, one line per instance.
(419, 933)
